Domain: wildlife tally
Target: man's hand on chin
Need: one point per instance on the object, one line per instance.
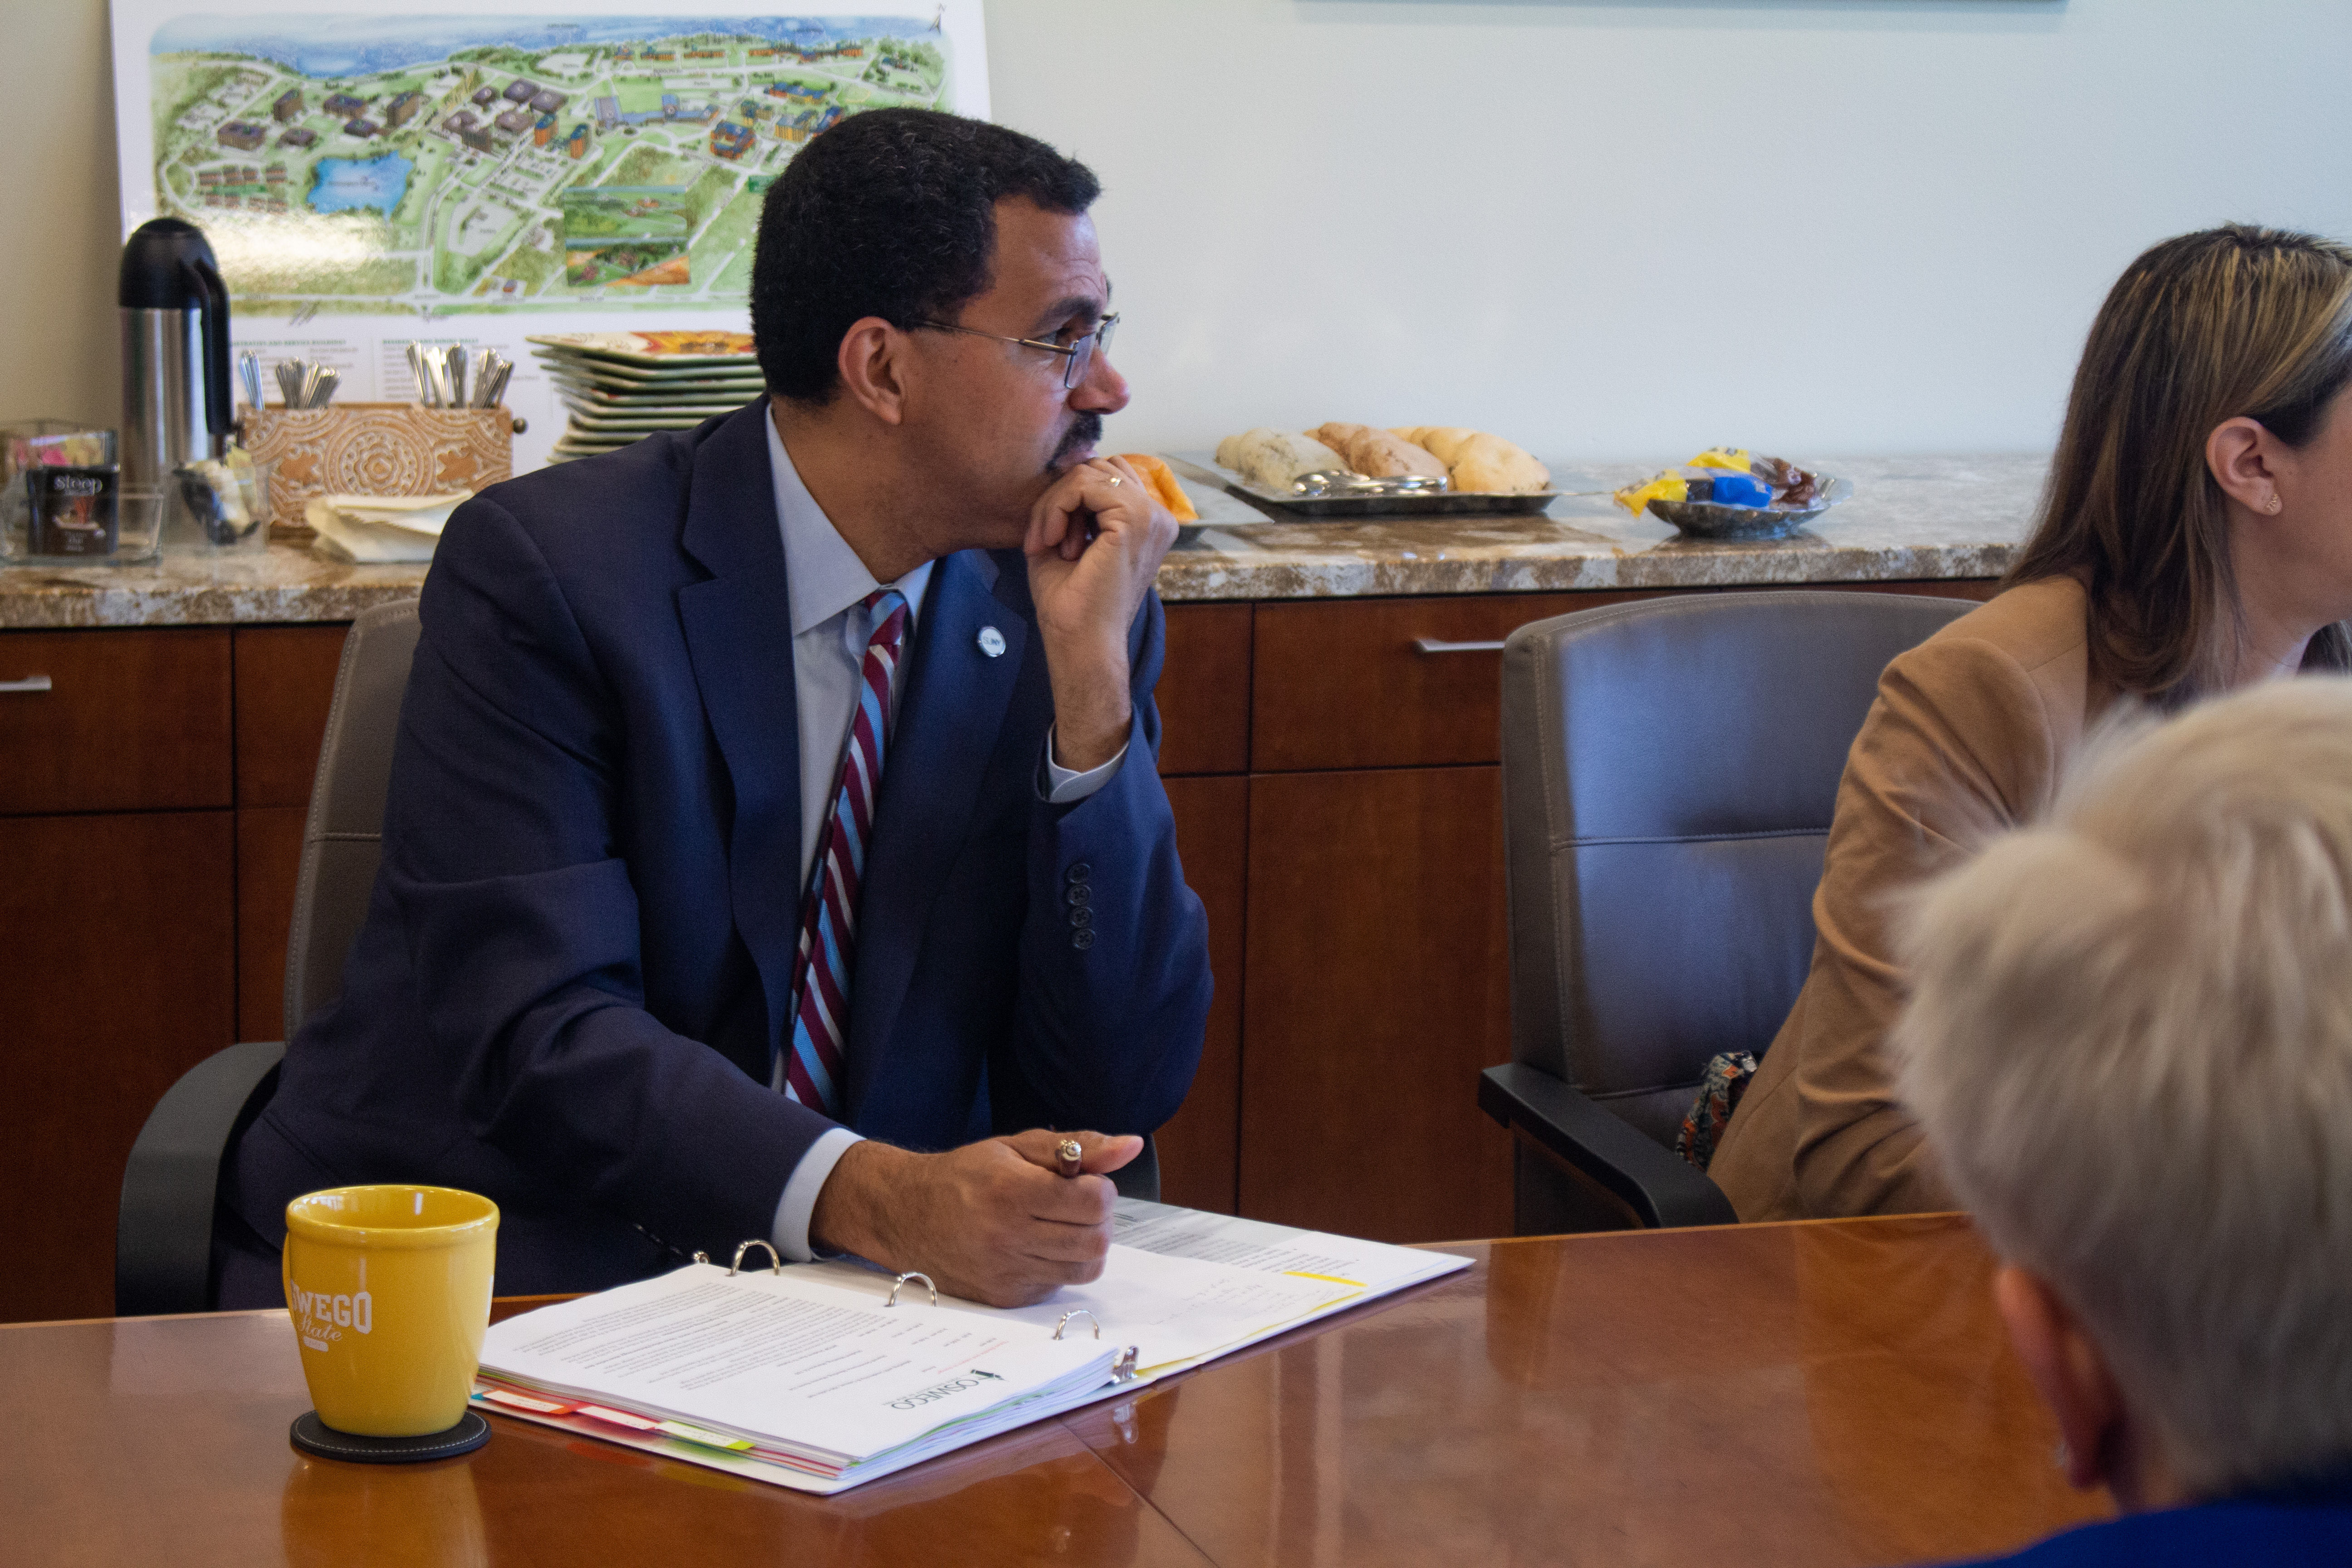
(1087, 590)
(991, 1222)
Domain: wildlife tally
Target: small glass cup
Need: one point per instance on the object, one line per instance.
(215, 510)
(112, 527)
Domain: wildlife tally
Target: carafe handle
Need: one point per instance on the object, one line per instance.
(219, 409)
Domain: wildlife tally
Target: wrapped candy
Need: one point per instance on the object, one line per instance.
(1727, 476)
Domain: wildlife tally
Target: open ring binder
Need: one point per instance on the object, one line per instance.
(775, 1263)
(912, 1274)
(1079, 1313)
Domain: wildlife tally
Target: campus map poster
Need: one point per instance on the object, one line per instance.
(369, 179)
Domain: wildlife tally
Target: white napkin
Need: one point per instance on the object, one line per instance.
(372, 529)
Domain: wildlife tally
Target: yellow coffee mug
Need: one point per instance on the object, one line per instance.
(389, 1288)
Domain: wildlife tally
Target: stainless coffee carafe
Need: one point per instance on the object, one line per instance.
(175, 353)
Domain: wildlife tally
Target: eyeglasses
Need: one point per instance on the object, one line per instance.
(1078, 356)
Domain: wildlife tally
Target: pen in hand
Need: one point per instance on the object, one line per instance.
(1067, 1155)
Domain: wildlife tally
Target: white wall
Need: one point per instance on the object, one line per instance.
(1838, 227)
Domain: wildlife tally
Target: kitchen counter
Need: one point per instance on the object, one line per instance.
(1910, 520)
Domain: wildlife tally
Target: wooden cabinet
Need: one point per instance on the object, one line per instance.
(1375, 989)
(1198, 1149)
(151, 824)
(127, 720)
(117, 929)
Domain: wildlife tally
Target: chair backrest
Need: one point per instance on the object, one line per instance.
(1669, 772)
(343, 839)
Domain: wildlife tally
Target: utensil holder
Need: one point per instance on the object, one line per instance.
(374, 449)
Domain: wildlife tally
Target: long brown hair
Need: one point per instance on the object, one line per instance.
(2208, 327)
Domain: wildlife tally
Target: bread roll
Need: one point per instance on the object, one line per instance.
(1490, 464)
(1378, 452)
(1441, 440)
(1271, 459)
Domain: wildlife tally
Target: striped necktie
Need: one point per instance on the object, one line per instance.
(811, 1070)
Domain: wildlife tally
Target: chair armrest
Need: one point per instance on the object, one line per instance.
(164, 1238)
(1658, 1183)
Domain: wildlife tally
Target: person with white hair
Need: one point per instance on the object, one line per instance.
(2128, 1044)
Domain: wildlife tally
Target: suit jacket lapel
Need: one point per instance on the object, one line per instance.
(739, 637)
(951, 719)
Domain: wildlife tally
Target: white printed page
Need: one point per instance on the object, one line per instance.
(790, 1360)
(1172, 1310)
(1274, 1249)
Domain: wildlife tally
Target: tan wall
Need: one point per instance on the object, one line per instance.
(1818, 226)
(60, 213)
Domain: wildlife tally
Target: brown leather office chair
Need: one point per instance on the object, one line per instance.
(162, 1244)
(1669, 772)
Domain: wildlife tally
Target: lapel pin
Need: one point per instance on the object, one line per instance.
(991, 641)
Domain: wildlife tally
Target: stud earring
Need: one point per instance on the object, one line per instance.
(2276, 505)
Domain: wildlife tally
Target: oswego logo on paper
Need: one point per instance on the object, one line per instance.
(324, 1318)
(940, 1390)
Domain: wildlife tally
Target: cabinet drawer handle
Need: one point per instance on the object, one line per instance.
(30, 683)
(1439, 645)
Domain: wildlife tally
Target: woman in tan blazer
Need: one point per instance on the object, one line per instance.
(2196, 535)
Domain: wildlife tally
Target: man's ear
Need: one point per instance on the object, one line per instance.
(2067, 1371)
(2238, 453)
(874, 365)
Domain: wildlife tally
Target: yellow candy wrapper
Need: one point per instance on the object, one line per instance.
(1735, 459)
(1668, 486)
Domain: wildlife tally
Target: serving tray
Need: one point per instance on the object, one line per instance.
(1203, 465)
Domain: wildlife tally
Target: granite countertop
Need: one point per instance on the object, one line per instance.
(1909, 519)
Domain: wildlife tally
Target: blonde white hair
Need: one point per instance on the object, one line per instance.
(2129, 1042)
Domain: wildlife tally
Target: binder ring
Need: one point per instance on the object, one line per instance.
(1122, 1370)
(912, 1274)
(776, 1264)
(1077, 1312)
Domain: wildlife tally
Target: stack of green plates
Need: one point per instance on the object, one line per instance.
(623, 387)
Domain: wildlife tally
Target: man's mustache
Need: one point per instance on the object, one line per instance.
(1085, 431)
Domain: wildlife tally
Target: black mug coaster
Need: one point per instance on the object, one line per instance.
(313, 1436)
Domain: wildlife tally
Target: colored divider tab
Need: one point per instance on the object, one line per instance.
(706, 1438)
(523, 1402)
(619, 1418)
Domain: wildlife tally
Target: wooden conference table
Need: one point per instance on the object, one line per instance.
(1828, 1393)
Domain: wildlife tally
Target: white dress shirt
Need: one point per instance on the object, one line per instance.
(828, 583)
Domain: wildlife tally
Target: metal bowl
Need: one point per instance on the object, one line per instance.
(1708, 519)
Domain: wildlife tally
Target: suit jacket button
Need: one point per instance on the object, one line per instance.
(1082, 917)
(1079, 893)
(1082, 939)
(1078, 872)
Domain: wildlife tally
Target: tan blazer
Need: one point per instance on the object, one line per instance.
(1968, 735)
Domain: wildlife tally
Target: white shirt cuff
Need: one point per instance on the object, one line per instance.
(1062, 787)
(790, 1232)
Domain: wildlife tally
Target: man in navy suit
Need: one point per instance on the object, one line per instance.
(631, 707)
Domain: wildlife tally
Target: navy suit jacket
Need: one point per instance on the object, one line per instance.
(2311, 1528)
(578, 953)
